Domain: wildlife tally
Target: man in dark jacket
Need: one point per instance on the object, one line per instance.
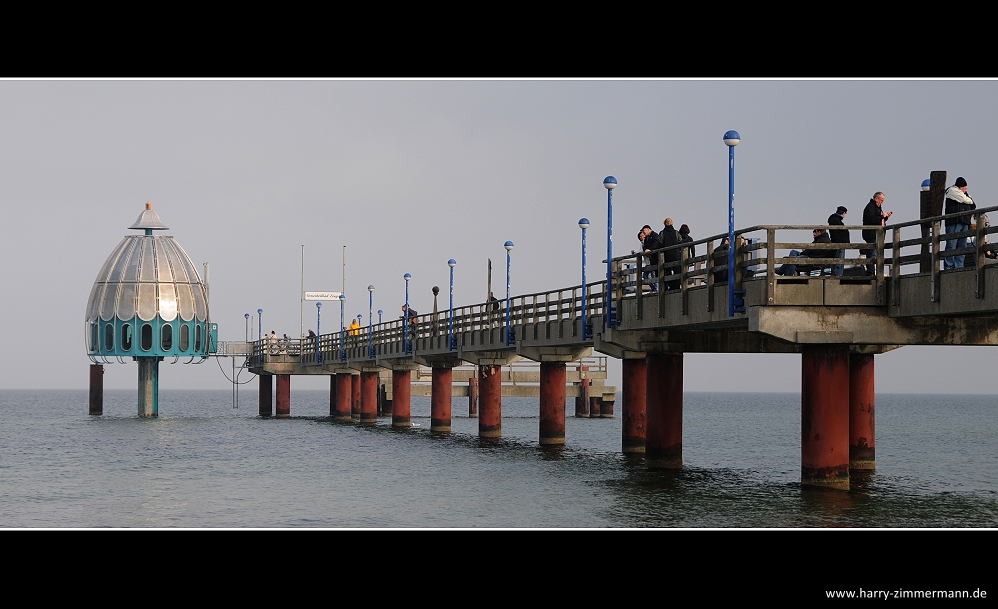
(669, 236)
(873, 215)
(838, 236)
(650, 241)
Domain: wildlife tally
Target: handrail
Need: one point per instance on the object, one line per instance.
(631, 273)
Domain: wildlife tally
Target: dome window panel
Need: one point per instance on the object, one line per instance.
(185, 300)
(146, 343)
(108, 338)
(147, 269)
(166, 337)
(197, 338)
(185, 337)
(126, 301)
(126, 337)
(108, 301)
(148, 301)
(167, 302)
(131, 261)
(94, 341)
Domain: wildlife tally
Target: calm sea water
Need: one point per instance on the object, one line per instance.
(204, 464)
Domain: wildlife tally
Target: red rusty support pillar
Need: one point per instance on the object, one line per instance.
(582, 402)
(344, 397)
(332, 395)
(283, 396)
(355, 397)
(490, 400)
(633, 392)
(824, 417)
(401, 393)
(552, 424)
(595, 404)
(96, 389)
(664, 410)
(368, 397)
(605, 408)
(862, 401)
(266, 395)
(473, 398)
(440, 399)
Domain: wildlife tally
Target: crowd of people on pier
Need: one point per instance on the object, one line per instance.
(830, 243)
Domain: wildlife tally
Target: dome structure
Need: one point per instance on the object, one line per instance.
(149, 301)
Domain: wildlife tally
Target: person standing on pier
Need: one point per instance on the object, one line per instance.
(873, 215)
(957, 200)
(650, 241)
(838, 236)
(668, 237)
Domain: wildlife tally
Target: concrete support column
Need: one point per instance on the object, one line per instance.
(664, 411)
(440, 399)
(96, 389)
(355, 397)
(266, 395)
(148, 386)
(862, 400)
(473, 398)
(552, 424)
(344, 397)
(824, 418)
(283, 396)
(633, 391)
(368, 398)
(401, 398)
(582, 402)
(490, 400)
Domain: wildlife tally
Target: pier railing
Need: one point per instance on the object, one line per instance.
(765, 249)
(914, 248)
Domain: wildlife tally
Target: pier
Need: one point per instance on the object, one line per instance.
(838, 325)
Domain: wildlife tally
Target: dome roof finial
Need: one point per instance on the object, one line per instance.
(148, 220)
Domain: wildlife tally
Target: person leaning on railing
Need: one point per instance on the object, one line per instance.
(957, 200)
(873, 215)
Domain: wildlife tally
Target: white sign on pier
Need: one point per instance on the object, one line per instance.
(322, 295)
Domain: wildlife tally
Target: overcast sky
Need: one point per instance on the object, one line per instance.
(407, 174)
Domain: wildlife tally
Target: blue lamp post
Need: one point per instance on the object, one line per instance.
(405, 317)
(509, 246)
(609, 183)
(343, 346)
(451, 342)
(318, 330)
(926, 184)
(731, 139)
(259, 315)
(584, 224)
(380, 313)
(247, 316)
(370, 321)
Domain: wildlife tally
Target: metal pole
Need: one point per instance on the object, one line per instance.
(450, 328)
(380, 312)
(370, 321)
(259, 313)
(609, 183)
(405, 316)
(731, 139)
(509, 246)
(343, 348)
(584, 224)
(301, 307)
(318, 330)
(247, 327)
